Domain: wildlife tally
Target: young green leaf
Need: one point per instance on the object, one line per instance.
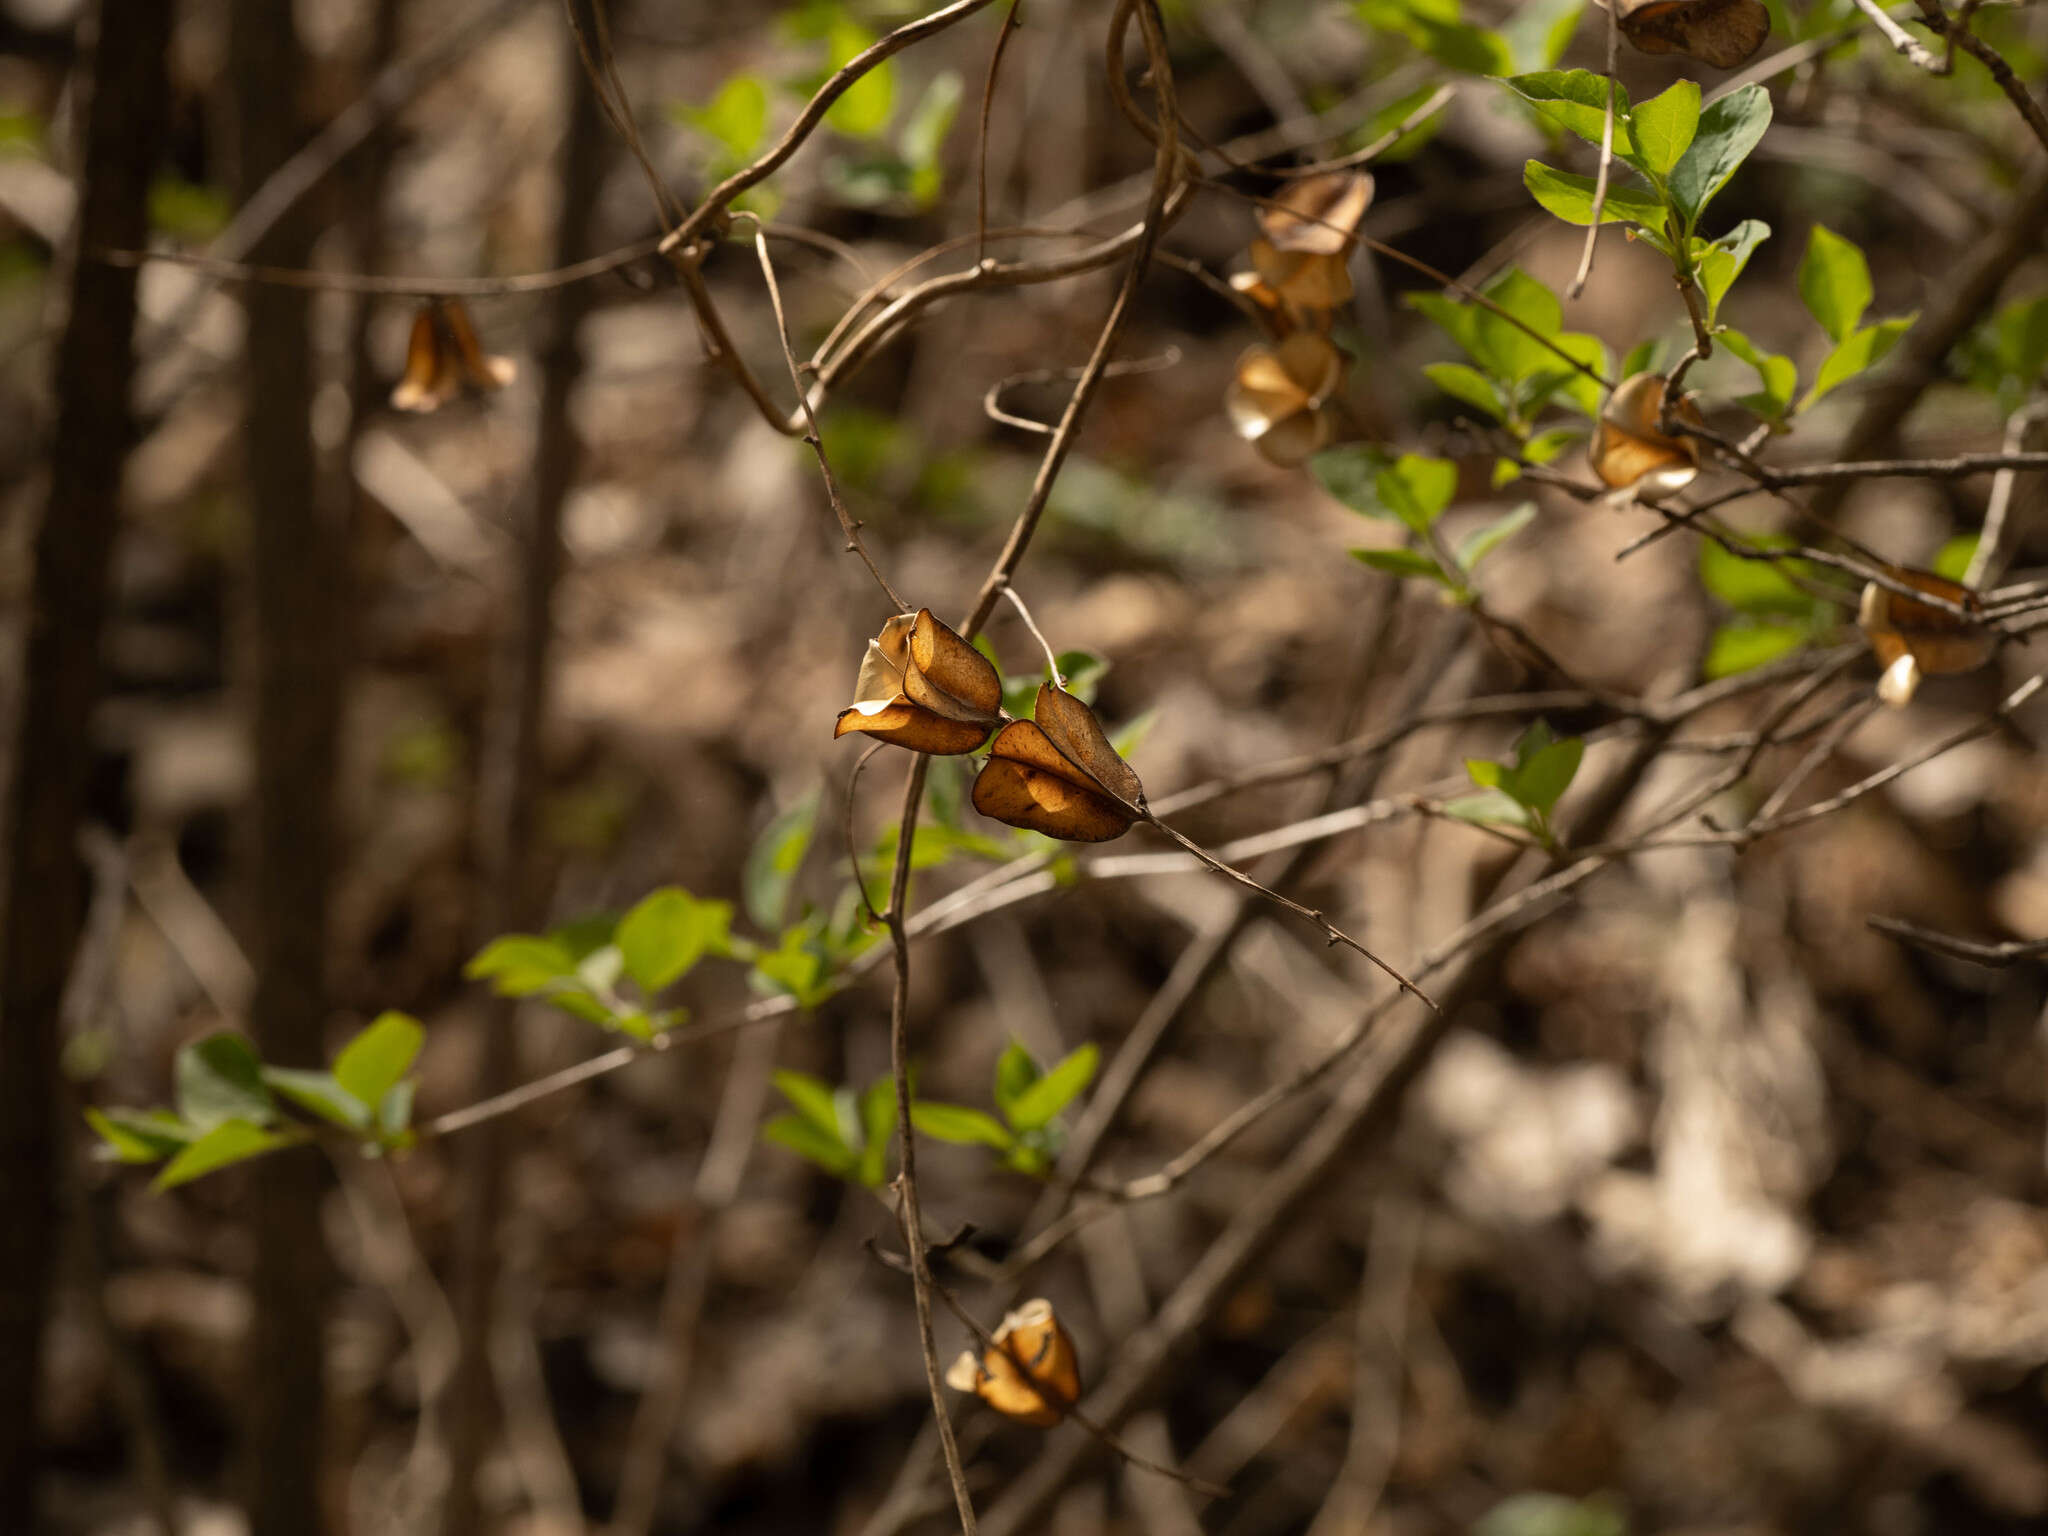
(1743, 644)
(862, 110)
(1663, 128)
(773, 861)
(811, 1097)
(1436, 27)
(735, 117)
(962, 1126)
(229, 1141)
(1570, 198)
(1779, 376)
(1403, 563)
(319, 1094)
(1755, 586)
(1038, 1104)
(220, 1078)
(140, 1135)
(1834, 281)
(521, 964)
(1483, 541)
(1466, 383)
(1862, 351)
(1544, 774)
(378, 1057)
(1416, 489)
(1728, 130)
(666, 934)
(1717, 265)
(1954, 556)
(808, 1141)
(1016, 1070)
(877, 1126)
(1576, 100)
(1491, 808)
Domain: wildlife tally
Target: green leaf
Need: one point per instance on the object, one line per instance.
(521, 964)
(394, 1114)
(1038, 1104)
(1864, 350)
(1954, 557)
(140, 1135)
(220, 1078)
(1545, 446)
(378, 1057)
(1348, 473)
(1779, 375)
(1485, 772)
(773, 861)
(811, 1097)
(800, 966)
(1743, 644)
(1755, 586)
(1402, 564)
(1542, 778)
(863, 111)
(1481, 542)
(1436, 28)
(1539, 31)
(668, 932)
(1716, 266)
(1728, 130)
(807, 1141)
(1416, 489)
(1548, 1514)
(1642, 358)
(1570, 198)
(1663, 127)
(1466, 383)
(1489, 809)
(1834, 281)
(877, 1125)
(962, 1126)
(924, 132)
(735, 118)
(318, 1093)
(1016, 1070)
(1576, 100)
(229, 1141)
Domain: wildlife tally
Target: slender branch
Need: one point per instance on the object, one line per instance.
(812, 437)
(1578, 282)
(1011, 21)
(1903, 42)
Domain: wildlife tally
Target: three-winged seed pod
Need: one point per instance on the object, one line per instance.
(923, 687)
(1303, 248)
(443, 356)
(1032, 1337)
(1057, 773)
(1628, 452)
(1912, 639)
(1723, 33)
(1281, 397)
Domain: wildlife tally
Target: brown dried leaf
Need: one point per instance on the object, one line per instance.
(1723, 33)
(442, 354)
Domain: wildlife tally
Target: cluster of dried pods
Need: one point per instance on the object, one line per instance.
(1912, 639)
(1630, 450)
(924, 687)
(1723, 33)
(1283, 397)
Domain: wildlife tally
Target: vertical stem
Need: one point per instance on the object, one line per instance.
(510, 780)
(45, 883)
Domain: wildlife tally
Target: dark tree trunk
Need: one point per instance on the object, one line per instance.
(45, 895)
(296, 576)
(510, 780)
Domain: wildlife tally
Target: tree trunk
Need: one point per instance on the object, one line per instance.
(45, 895)
(296, 575)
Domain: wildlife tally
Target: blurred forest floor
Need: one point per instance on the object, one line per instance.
(1720, 1206)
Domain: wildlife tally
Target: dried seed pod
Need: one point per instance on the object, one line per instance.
(1033, 1336)
(1913, 639)
(1279, 398)
(1303, 250)
(1057, 773)
(1318, 215)
(1723, 33)
(1627, 449)
(923, 687)
(442, 355)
